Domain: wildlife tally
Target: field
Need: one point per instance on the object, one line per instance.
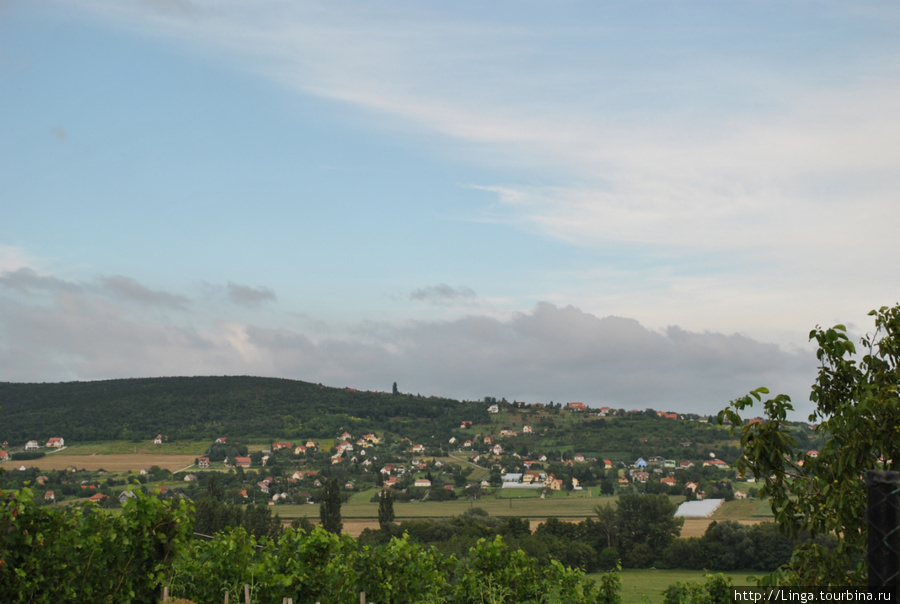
(648, 585)
(110, 463)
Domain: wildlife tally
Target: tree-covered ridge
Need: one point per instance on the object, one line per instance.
(208, 407)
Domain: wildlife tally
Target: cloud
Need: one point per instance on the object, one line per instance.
(251, 297)
(25, 280)
(129, 290)
(437, 294)
(550, 352)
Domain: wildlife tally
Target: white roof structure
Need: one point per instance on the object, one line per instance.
(698, 509)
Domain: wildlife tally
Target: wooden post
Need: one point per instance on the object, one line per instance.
(166, 593)
(226, 597)
(246, 594)
(362, 597)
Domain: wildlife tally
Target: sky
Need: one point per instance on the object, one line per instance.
(629, 204)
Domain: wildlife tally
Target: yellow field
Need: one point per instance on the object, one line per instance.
(110, 463)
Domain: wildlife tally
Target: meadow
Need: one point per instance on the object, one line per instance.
(642, 586)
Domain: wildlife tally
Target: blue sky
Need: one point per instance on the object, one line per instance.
(630, 204)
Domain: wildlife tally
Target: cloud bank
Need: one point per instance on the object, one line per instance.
(58, 330)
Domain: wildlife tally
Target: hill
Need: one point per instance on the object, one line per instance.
(208, 407)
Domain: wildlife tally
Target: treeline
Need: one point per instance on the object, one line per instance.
(84, 554)
(639, 532)
(208, 407)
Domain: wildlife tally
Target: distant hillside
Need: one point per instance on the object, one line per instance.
(207, 407)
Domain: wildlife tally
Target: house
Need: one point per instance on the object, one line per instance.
(527, 430)
(507, 433)
(465, 424)
(158, 440)
(812, 454)
(221, 440)
(641, 477)
(264, 485)
(55, 443)
(97, 497)
(716, 463)
(607, 464)
(684, 465)
(203, 462)
(191, 478)
(693, 486)
(242, 462)
(668, 480)
(281, 445)
(418, 448)
(579, 458)
(49, 496)
(468, 444)
(126, 495)
(299, 450)
(31, 445)
(497, 450)
(349, 485)
(311, 444)
(4, 455)
(740, 494)
(346, 436)
(640, 463)
(576, 407)
(422, 482)
(494, 409)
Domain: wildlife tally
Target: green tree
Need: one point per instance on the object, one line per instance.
(330, 508)
(386, 508)
(858, 415)
(645, 525)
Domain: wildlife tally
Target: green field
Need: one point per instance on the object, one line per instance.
(648, 585)
(127, 447)
(523, 504)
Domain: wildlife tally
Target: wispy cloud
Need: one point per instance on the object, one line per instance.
(441, 293)
(251, 297)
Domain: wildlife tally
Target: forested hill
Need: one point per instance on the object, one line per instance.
(208, 407)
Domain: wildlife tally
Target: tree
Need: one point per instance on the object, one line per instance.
(330, 508)
(858, 415)
(386, 508)
(645, 524)
(395, 389)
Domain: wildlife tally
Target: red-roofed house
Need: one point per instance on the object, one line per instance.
(576, 406)
(242, 462)
(281, 445)
(55, 442)
(203, 462)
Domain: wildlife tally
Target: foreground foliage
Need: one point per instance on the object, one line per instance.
(86, 554)
(823, 492)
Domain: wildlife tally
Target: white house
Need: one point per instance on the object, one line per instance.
(31, 445)
(56, 443)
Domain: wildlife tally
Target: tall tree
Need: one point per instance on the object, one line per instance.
(858, 414)
(330, 508)
(646, 522)
(386, 507)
